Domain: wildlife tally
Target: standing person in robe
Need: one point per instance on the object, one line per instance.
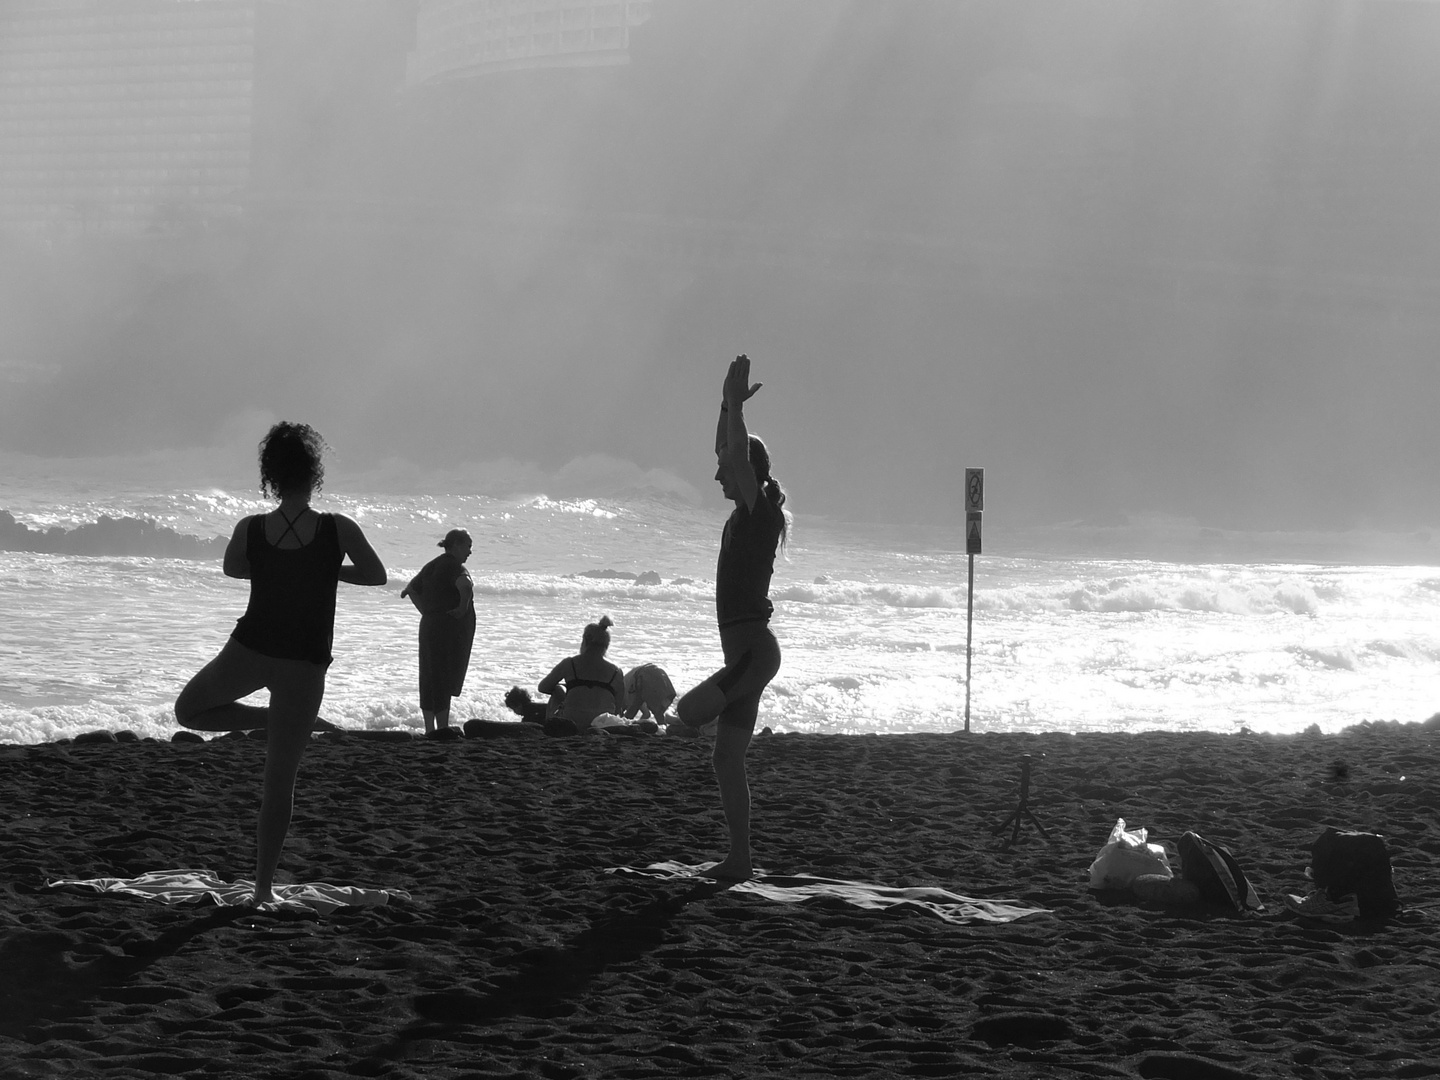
(444, 594)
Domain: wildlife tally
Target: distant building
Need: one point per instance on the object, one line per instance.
(128, 117)
(161, 117)
(456, 39)
(124, 115)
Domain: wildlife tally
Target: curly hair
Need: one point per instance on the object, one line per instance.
(290, 459)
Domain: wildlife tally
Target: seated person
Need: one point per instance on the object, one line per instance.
(519, 701)
(530, 711)
(648, 693)
(592, 684)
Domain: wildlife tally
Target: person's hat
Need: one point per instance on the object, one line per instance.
(454, 536)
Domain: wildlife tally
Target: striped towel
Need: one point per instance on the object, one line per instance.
(194, 886)
(952, 907)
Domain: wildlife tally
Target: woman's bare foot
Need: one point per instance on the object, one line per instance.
(732, 869)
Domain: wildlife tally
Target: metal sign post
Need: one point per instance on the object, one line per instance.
(974, 507)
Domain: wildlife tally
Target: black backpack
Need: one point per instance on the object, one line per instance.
(1345, 863)
(1217, 874)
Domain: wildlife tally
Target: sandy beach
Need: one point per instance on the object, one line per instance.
(521, 954)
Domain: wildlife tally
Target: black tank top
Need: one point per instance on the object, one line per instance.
(747, 561)
(291, 615)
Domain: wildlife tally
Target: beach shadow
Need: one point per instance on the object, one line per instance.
(37, 982)
(549, 978)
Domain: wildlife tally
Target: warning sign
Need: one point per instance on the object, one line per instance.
(972, 532)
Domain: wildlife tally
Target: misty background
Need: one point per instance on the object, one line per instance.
(1134, 257)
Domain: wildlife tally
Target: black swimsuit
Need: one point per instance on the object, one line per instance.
(582, 704)
(291, 614)
(595, 684)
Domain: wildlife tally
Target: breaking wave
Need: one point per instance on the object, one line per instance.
(108, 536)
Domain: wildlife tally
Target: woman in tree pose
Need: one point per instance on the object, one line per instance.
(755, 530)
(294, 557)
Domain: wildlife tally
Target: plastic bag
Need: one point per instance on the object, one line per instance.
(1125, 857)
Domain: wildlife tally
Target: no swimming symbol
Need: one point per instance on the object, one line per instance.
(974, 490)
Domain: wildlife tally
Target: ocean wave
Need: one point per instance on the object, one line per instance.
(647, 586)
(49, 723)
(1239, 598)
(1284, 597)
(1339, 658)
(1408, 650)
(584, 507)
(108, 536)
(884, 595)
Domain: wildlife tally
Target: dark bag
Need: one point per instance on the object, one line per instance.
(1346, 863)
(1217, 874)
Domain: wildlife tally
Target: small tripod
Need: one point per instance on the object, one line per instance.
(1022, 810)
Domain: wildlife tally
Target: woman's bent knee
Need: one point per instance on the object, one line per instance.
(189, 704)
(700, 705)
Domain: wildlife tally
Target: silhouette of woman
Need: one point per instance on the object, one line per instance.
(444, 595)
(293, 557)
(755, 530)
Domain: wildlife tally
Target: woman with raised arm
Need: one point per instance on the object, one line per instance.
(755, 530)
(294, 557)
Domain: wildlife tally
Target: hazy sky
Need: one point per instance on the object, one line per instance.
(1130, 257)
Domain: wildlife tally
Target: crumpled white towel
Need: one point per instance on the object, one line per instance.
(193, 886)
(952, 907)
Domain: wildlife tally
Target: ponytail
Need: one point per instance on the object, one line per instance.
(769, 486)
(776, 494)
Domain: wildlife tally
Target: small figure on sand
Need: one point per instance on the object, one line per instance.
(444, 594)
(293, 557)
(592, 684)
(648, 693)
(755, 530)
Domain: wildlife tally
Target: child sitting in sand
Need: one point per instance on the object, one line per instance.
(648, 693)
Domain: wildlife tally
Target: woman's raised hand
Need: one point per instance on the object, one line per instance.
(737, 381)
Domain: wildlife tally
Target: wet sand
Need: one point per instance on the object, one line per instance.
(520, 955)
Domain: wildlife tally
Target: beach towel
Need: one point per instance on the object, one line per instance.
(194, 886)
(796, 889)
